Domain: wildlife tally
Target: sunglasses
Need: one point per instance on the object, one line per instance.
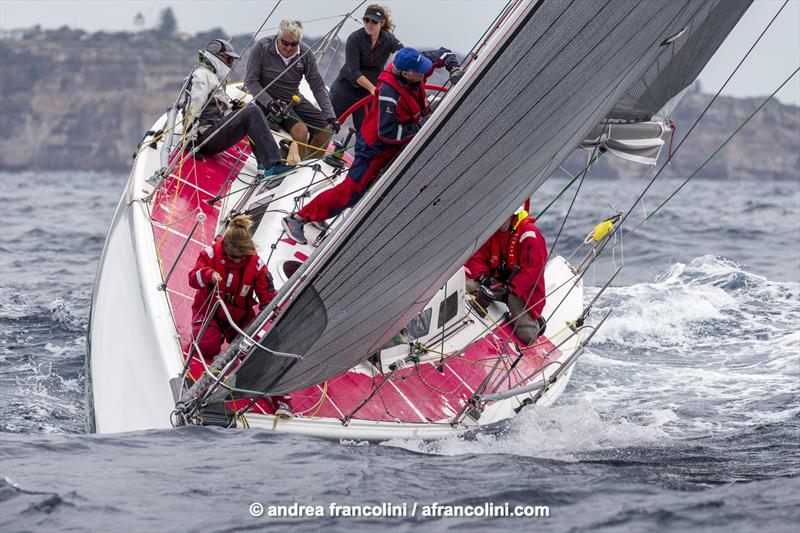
(234, 256)
(370, 21)
(290, 44)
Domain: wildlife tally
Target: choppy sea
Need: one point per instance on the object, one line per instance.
(683, 416)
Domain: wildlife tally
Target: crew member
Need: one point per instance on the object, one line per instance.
(366, 54)
(231, 269)
(398, 110)
(218, 125)
(509, 268)
(275, 69)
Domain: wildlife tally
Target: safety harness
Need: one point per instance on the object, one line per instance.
(513, 244)
(239, 298)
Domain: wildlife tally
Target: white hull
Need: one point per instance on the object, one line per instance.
(135, 348)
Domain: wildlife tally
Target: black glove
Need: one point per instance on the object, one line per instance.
(334, 124)
(494, 290)
(278, 107)
(237, 104)
(455, 76)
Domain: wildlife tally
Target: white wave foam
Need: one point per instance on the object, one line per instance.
(561, 432)
(705, 347)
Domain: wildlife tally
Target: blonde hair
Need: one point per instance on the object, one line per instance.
(238, 235)
(387, 16)
(292, 27)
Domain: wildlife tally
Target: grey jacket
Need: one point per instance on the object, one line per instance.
(266, 65)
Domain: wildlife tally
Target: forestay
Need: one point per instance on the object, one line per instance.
(553, 71)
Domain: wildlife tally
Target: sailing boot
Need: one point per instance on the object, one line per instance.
(277, 169)
(294, 228)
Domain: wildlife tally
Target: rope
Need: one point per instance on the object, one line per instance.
(596, 253)
(577, 176)
(333, 31)
(700, 117)
(719, 149)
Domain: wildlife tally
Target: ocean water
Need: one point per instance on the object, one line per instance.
(684, 415)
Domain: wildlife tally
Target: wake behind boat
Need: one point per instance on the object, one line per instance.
(372, 331)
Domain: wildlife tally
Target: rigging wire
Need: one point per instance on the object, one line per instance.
(678, 147)
(719, 148)
(702, 114)
(627, 213)
(197, 148)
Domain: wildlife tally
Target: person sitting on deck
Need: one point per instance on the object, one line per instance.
(231, 269)
(275, 69)
(218, 125)
(397, 112)
(509, 268)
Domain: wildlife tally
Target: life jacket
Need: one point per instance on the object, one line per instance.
(512, 253)
(413, 105)
(237, 296)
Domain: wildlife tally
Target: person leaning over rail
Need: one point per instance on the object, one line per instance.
(366, 53)
(275, 69)
(218, 126)
(232, 270)
(398, 110)
(509, 268)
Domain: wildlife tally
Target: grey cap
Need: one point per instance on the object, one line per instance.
(222, 47)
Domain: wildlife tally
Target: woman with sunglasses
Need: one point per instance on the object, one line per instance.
(275, 69)
(366, 54)
(232, 270)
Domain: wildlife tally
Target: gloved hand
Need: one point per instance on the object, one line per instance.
(455, 75)
(335, 126)
(423, 119)
(237, 104)
(278, 107)
(494, 290)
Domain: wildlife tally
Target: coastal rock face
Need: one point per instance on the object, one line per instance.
(84, 101)
(82, 105)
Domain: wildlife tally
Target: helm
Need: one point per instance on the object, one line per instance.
(222, 47)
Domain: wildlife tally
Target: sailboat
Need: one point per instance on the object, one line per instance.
(372, 331)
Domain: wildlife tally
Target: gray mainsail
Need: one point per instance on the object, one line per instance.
(555, 70)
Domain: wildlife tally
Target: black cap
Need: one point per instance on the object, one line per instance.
(373, 14)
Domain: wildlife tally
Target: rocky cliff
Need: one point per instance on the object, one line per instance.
(70, 100)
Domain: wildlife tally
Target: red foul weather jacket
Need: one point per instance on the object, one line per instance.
(524, 247)
(393, 115)
(241, 283)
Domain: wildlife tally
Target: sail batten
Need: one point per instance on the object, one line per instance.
(554, 71)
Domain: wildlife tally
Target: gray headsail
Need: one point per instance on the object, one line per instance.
(553, 71)
(684, 55)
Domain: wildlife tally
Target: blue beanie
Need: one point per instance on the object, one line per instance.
(410, 59)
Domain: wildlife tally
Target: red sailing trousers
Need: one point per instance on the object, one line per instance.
(367, 164)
